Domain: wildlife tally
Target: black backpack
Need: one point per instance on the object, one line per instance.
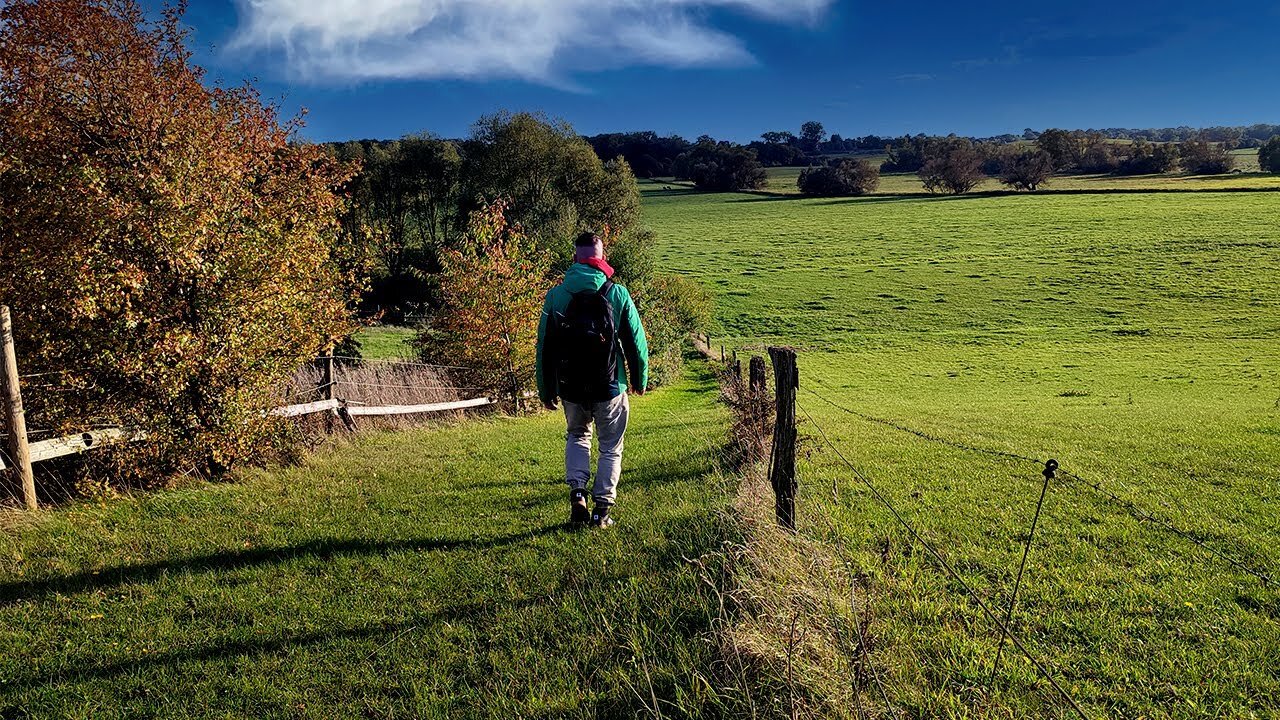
(586, 337)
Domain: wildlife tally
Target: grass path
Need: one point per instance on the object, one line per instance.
(411, 574)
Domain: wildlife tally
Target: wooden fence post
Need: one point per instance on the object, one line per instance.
(15, 418)
(782, 471)
(326, 373)
(759, 408)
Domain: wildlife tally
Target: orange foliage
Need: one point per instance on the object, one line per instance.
(492, 285)
(164, 241)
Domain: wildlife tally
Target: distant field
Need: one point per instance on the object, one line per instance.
(1133, 337)
(783, 180)
(386, 342)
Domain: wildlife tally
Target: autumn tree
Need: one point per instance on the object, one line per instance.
(167, 249)
(492, 284)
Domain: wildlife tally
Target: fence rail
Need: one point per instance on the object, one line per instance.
(21, 454)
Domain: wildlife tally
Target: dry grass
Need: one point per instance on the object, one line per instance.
(796, 637)
(381, 383)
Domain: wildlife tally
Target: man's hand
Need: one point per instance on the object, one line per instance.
(638, 391)
(550, 404)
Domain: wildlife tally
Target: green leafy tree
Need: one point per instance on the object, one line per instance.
(952, 165)
(1025, 169)
(1064, 148)
(811, 136)
(553, 180)
(843, 178)
(1269, 155)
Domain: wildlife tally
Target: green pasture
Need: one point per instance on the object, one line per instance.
(783, 180)
(422, 574)
(1133, 337)
(386, 342)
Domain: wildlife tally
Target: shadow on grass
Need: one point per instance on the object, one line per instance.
(90, 580)
(92, 667)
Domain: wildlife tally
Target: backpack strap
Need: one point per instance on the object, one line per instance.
(605, 288)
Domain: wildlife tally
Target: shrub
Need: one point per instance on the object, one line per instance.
(1025, 169)
(846, 177)
(168, 251)
(951, 165)
(670, 307)
(492, 284)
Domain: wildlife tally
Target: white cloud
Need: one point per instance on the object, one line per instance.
(535, 40)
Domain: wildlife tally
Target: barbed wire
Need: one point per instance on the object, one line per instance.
(1143, 514)
(407, 387)
(1135, 510)
(955, 575)
(381, 361)
(920, 433)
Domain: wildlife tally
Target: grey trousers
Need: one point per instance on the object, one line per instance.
(610, 419)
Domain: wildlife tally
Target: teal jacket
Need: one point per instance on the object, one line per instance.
(634, 347)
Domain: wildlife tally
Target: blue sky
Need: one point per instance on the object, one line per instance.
(735, 68)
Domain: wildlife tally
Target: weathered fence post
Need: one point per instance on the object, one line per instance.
(782, 471)
(759, 408)
(326, 373)
(15, 417)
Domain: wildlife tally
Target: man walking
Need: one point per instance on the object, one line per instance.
(589, 326)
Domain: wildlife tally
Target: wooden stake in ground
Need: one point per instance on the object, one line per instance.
(758, 407)
(782, 471)
(326, 374)
(15, 418)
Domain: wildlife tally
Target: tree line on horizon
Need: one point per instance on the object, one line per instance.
(946, 164)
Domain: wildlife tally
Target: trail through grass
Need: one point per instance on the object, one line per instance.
(1135, 338)
(411, 574)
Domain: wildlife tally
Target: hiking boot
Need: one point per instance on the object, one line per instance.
(578, 512)
(600, 518)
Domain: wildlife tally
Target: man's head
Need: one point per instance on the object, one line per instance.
(588, 245)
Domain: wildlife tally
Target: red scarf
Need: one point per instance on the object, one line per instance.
(599, 264)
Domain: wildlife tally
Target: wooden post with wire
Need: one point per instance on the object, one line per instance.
(757, 394)
(326, 373)
(782, 468)
(14, 415)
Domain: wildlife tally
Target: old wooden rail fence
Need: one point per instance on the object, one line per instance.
(23, 454)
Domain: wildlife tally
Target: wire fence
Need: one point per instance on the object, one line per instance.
(1132, 507)
(1040, 665)
(1230, 554)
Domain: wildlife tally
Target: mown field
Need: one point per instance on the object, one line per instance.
(423, 574)
(1133, 337)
